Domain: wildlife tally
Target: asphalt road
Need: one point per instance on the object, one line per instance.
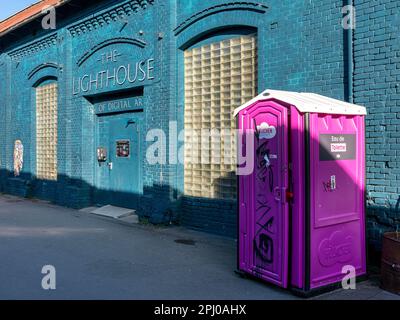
(96, 258)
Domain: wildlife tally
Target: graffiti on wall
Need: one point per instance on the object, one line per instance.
(18, 157)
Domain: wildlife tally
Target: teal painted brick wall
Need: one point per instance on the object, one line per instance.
(377, 86)
(301, 48)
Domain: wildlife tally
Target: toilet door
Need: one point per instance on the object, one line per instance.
(263, 206)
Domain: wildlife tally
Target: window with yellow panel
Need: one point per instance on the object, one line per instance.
(219, 77)
(46, 131)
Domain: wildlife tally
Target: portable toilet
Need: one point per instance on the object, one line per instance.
(301, 203)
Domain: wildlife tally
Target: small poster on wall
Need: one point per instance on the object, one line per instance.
(123, 149)
(18, 157)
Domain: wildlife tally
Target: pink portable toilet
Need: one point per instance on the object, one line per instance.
(301, 208)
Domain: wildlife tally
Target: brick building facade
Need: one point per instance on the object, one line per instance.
(300, 46)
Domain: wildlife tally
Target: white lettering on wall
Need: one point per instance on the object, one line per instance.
(120, 75)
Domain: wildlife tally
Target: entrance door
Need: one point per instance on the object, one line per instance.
(263, 206)
(119, 176)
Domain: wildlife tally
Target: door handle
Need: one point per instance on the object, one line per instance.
(277, 194)
(110, 165)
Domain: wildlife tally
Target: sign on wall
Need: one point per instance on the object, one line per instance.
(119, 105)
(113, 69)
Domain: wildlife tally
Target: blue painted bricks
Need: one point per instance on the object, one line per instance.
(377, 86)
(301, 47)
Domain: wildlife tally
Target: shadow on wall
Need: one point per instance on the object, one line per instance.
(154, 204)
(161, 204)
(380, 219)
(158, 204)
(219, 215)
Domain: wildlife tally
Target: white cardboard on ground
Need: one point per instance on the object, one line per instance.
(114, 212)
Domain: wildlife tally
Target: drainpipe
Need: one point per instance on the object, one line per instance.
(350, 55)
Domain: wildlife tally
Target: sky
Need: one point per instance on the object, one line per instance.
(10, 7)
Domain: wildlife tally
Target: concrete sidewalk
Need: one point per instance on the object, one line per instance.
(98, 258)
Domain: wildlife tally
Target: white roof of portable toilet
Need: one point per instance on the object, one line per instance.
(308, 102)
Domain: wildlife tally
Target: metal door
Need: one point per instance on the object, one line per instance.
(263, 207)
(119, 181)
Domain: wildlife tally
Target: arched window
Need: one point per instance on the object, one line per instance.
(46, 130)
(219, 76)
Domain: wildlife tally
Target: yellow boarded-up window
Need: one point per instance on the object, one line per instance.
(219, 77)
(46, 131)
